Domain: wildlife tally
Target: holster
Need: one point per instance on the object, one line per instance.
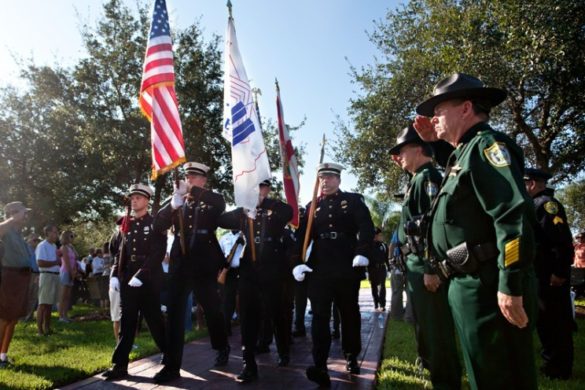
(463, 259)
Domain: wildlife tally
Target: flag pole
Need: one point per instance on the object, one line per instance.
(253, 243)
(313, 204)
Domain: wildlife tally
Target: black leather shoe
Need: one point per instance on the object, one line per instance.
(319, 376)
(262, 349)
(352, 365)
(223, 356)
(283, 360)
(115, 373)
(248, 374)
(166, 375)
(299, 333)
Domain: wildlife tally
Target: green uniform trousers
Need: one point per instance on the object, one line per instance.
(435, 333)
(497, 354)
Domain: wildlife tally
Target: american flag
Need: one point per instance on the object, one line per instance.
(158, 100)
(290, 170)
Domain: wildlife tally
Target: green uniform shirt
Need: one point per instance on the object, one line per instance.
(422, 189)
(483, 200)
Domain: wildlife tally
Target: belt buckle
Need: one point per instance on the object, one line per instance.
(257, 240)
(133, 258)
(333, 235)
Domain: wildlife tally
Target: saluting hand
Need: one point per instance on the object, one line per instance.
(513, 309)
(425, 128)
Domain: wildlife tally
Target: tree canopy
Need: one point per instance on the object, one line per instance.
(531, 49)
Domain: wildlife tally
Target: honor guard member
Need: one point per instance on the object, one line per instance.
(377, 270)
(137, 274)
(341, 235)
(554, 257)
(482, 234)
(435, 333)
(198, 210)
(263, 279)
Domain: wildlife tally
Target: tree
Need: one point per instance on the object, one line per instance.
(528, 48)
(571, 196)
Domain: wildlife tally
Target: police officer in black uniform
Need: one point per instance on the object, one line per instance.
(263, 278)
(377, 270)
(553, 270)
(194, 267)
(138, 250)
(341, 235)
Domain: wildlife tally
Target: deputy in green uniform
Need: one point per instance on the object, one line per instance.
(435, 334)
(482, 234)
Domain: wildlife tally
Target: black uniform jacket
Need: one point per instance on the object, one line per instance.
(201, 212)
(268, 227)
(553, 238)
(140, 252)
(342, 228)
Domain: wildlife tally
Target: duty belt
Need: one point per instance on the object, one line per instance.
(137, 257)
(331, 235)
(258, 239)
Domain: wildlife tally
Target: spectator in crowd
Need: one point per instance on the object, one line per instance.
(98, 263)
(33, 291)
(16, 272)
(67, 273)
(49, 265)
(397, 278)
(377, 270)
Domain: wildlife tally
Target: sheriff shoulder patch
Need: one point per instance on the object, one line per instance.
(498, 155)
(551, 207)
(432, 189)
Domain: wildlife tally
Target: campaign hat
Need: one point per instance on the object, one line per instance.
(461, 86)
(408, 135)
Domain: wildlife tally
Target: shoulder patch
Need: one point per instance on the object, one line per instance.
(498, 155)
(432, 189)
(551, 207)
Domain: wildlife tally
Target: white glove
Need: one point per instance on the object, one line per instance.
(163, 308)
(360, 261)
(299, 272)
(177, 201)
(182, 189)
(114, 283)
(135, 282)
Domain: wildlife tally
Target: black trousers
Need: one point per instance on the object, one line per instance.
(344, 292)
(134, 300)
(377, 277)
(228, 297)
(205, 290)
(555, 328)
(300, 304)
(253, 296)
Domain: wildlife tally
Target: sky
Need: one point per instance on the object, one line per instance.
(309, 45)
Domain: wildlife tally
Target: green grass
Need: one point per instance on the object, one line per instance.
(397, 370)
(75, 351)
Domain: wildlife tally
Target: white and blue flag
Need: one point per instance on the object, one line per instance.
(241, 128)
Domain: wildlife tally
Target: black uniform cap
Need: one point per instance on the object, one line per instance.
(536, 174)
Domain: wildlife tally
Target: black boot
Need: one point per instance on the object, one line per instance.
(319, 376)
(352, 365)
(335, 334)
(166, 375)
(283, 360)
(250, 371)
(223, 356)
(299, 332)
(117, 371)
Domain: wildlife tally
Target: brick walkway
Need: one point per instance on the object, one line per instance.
(198, 357)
